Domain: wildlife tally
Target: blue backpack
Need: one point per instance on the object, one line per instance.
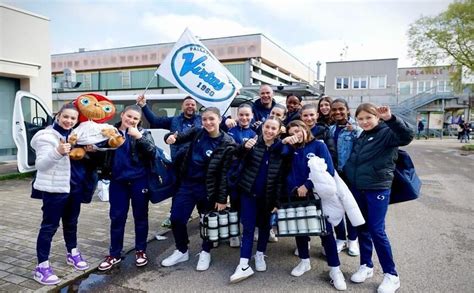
(406, 184)
(161, 177)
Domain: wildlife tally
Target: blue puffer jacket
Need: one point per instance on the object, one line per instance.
(345, 141)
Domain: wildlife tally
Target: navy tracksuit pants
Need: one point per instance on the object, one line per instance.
(341, 230)
(329, 244)
(189, 195)
(121, 193)
(374, 205)
(254, 214)
(57, 206)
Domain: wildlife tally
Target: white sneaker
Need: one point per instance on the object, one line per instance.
(337, 279)
(341, 244)
(389, 284)
(353, 247)
(234, 241)
(241, 273)
(362, 274)
(272, 237)
(301, 268)
(204, 261)
(260, 264)
(175, 258)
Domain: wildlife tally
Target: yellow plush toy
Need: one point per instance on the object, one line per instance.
(94, 110)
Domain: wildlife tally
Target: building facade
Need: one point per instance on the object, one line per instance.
(414, 93)
(252, 59)
(25, 64)
(363, 81)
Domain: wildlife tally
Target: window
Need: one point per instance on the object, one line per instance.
(238, 70)
(444, 86)
(404, 88)
(378, 81)
(141, 78)
(359, 82)
(342, 83)
(110, 80)
(423, 86)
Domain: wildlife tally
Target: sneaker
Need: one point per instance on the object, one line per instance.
(301, 268)
(260, 264)
(140, 258)
(272, 237)
(241, 273)
(77, 261)
(341, 244)
(362, 274)
(45, 276)
(337, 279)
(234, 241)
(166, 223)
(389, 284)
(204, 261)
(353, 247)
(108, 263)
(175, 258)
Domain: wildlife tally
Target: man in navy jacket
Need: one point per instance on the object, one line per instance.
(181, 123)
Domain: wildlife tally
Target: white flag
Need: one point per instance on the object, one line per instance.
(193, 68)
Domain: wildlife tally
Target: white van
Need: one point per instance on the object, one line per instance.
(30, 114)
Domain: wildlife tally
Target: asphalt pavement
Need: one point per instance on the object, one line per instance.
(432, 240)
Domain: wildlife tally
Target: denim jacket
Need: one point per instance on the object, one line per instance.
(345, 141)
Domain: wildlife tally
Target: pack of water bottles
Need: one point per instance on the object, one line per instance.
(221, 225)
(302, 218)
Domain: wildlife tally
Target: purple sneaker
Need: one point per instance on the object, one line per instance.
(77, 262)
(45, 276)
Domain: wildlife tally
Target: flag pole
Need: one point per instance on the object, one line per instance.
(149, 83)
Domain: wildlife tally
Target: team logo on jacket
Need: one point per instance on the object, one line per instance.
(310, 155)
(208, 153)
(200, 74)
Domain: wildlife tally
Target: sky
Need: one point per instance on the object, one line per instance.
(312, 31)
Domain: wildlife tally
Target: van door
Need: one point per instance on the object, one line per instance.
(30, 115)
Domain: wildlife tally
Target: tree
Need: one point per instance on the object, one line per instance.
(445, 38)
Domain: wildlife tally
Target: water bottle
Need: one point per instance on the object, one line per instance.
(291, 222)
(212, 227)
(234, 223)
(223, 224)
(314, 226)
(301, 223)
(282, 227)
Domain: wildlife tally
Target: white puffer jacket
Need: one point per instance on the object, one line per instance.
(336, 198)
(53, 169)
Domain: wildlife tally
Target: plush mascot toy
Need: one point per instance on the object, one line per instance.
(94, 110)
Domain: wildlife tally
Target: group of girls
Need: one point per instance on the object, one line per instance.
(60, 182)
(275, 165)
